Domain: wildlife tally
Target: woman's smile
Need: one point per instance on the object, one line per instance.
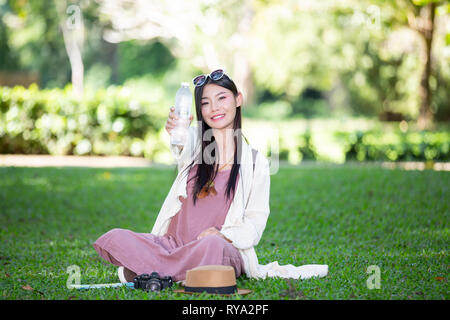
(218, 117)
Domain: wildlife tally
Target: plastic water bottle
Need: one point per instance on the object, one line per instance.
(183, 103)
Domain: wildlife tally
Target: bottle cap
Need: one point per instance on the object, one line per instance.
(185, 84)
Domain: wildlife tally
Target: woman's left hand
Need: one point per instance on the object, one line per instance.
(211, 231)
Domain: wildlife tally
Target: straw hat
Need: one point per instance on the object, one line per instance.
(216, 279)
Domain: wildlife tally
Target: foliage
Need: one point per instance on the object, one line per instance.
(109, 121)
(301, 42)
(139, 59)
(381, 83)
(35, 42)
(275, 110)
(397, 146)
(360, 50)
(336, 142)
(312, 108)
(361, 55)
(130, 119)
(441, 100)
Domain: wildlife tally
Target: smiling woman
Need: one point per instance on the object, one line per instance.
(218, 109)
(193, 236)
(216, 211)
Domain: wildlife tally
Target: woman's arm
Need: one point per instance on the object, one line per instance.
(184, 155)
(177, 151)
(211, 231)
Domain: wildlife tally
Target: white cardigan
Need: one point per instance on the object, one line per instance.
(247, 216)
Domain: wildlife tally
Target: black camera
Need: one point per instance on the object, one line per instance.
(152, 282)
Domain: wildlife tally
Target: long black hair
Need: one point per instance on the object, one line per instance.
(207, 170)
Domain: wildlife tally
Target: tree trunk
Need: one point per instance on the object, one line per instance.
(76, 64)
(427, 13)
(72, 28)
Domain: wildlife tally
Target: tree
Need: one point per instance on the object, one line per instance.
(207, 34)
(423, 22)
(34, 40)
(420, 16)
(37, 34)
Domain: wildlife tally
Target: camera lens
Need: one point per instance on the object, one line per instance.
(155, 286)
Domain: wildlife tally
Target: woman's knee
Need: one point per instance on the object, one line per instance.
(117, 231)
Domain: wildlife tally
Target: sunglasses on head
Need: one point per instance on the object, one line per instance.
(201, 79)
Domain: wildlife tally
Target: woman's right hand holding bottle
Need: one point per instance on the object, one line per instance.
(172, 120)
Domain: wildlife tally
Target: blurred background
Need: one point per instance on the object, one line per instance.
(359, 80)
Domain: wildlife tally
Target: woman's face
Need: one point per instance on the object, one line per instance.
(219, 101)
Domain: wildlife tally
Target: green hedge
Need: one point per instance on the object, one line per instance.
(396, 145)
(115, 121)
(108, 122)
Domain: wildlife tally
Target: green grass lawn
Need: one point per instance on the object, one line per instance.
(349, 217)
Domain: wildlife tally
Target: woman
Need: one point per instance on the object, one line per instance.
(218, 205)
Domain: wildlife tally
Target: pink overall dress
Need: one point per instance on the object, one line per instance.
(178, 250)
